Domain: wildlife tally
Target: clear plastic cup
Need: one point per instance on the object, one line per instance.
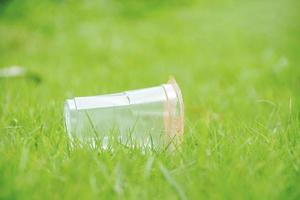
(143, 118)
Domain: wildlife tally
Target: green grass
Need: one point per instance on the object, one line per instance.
(238, 66)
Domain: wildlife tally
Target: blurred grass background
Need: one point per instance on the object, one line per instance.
(237, 63)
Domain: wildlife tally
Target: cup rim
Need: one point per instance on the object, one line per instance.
(180, 122)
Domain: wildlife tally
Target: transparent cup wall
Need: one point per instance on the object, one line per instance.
(146, 117)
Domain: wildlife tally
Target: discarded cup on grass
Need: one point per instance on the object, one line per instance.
(151, 117)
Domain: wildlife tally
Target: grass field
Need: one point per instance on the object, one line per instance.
(238, 65)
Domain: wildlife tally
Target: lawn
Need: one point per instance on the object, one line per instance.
(238, 66)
